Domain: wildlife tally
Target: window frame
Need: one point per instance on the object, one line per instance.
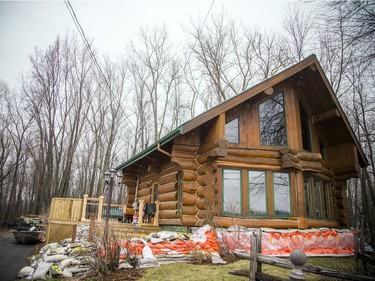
(325, 189)
(238, 130)
(223, 193)
(285, 121)
(266, 193)
(273, 195)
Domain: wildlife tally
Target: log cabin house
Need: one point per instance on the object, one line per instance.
(276, 155)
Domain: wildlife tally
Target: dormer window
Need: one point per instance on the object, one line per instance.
(272, 121)
(232, 132)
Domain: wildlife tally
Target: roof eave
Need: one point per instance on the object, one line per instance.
(164, 140)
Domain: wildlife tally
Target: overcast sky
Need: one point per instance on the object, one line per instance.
(112, 24)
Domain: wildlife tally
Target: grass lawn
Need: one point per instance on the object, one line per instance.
(186, 272)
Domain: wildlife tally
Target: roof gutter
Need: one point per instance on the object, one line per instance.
(156, 146)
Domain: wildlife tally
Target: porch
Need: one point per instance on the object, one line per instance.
(68, 213)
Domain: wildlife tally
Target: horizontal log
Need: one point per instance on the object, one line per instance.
(322, 176)
(202, 214)
(350, 169)
(186, 164)
(326, 115)
(327, 172)
(311, 223)
(189, 220)
(311, 166)
(223, 143)
(148, 178)
(131, 197)
(291, 164)
(144, 192)
(214, 153)
(167, 187)
(144, 185)
(189, 210)
(170, 222)
(248, 166)
(201, 222)
(185, 147)
(204, 203)
(254, 153)
(205, 168)
(168, 178)
(184, 154)
(253, 160)
(170, 169)
(190, 186)
(207, 179)
(206, 191)
(189, 199)
(190, 175)
(288, 150)
(170, 196)
(146, 198)
(309, 156)
(129, 183)
(168, 214)
(257, 223)
(290, 157)
(170, 205)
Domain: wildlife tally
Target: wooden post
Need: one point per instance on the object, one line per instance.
(253, 258)
(74, 232)
(100, 208)
(259, 249)
(84, 205)
(356, 252)
(156, 217)
(140, 218)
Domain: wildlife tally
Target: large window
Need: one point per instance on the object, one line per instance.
(232, 131)
(232, 191)
(257, 193)
(255, 190)
(272, 121)
(318, 198)
(281, 194)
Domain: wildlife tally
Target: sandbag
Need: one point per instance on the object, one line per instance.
(42, 270)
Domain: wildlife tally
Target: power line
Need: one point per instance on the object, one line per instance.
(86, 42)
(195, 42)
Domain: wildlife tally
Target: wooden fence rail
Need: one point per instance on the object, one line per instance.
(255, 272)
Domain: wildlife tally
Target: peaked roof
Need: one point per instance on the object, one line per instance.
(310, 62)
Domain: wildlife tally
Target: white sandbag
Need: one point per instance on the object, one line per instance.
(26, 272)
(147, 253)
(55, 258)
(66, 263)
(66, 273)
(42, 270)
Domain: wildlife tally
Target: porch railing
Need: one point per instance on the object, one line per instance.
(80, 209)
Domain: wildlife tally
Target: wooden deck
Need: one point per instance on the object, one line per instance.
(66, 214)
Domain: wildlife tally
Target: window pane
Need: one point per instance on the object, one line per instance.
(272, 122)
(308, 197)
(305, 129)
(328, 200)
(232, 131)
(257, 193)
(281, 194)
(232, 191)
(318, 199)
